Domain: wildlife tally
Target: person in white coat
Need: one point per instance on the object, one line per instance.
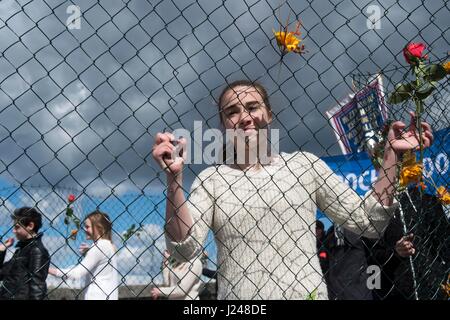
(181, 281)
(99, 265)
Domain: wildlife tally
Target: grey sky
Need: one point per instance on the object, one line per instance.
(80, 108)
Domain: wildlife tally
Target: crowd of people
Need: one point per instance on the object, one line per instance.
(261, 216)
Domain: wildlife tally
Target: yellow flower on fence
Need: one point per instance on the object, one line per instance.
(446, 287)
(446, 66)
(443, 195)
(73, 234)
(410, 174)
(289, 41)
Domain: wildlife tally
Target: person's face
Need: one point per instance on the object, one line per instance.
(243, 108)
(89, 229)
(319, 233)
(23, 232)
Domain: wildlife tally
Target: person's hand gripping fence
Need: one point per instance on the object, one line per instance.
(169, 153)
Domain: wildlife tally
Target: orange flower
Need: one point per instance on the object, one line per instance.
(443, 195)
(446, 287)
(446, 66)
(410, 174)
(288, 40)
(421, 185)
(73, 234)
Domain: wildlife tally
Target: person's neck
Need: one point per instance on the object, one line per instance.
(29, 237)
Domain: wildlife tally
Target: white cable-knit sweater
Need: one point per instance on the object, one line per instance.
(264, 222)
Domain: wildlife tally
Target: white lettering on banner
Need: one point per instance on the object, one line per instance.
(355, 182)
(440, 165)
(437, 163)
(428, 167)
(352, 180)
(373, 176)
(361, 184)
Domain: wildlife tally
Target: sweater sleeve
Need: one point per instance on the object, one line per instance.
(200, 204)
(188, 279)
(365, 216)
(85, 267)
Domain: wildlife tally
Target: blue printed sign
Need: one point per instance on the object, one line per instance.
(358, 172)
(356, 118)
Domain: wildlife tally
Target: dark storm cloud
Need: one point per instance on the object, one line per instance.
(81, 107)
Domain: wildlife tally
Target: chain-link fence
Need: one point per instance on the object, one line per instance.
(85, 86)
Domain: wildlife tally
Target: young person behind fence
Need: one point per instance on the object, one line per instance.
(99, 264)
(263, 214)
(23, 276)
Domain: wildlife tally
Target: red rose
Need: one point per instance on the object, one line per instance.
(413, 51)
(71, 198)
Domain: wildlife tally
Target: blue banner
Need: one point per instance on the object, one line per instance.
(358, 172)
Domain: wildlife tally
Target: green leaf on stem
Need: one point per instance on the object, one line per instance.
(401, 93)
(77, 222)
(425, 90)
(420, 70)
(434, 72)
(129, 232)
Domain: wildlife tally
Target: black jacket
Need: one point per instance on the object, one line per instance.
(323, 254)
(25, 273)
(347, 274)
(396, 276)
(425, 218)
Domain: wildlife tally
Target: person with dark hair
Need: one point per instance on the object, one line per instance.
(261, 207)
(99, 264)
(23, 276)
(322, 251)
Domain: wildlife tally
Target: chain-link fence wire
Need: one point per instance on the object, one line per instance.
(82, 99)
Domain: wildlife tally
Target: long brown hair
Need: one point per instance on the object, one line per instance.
(101, 225)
